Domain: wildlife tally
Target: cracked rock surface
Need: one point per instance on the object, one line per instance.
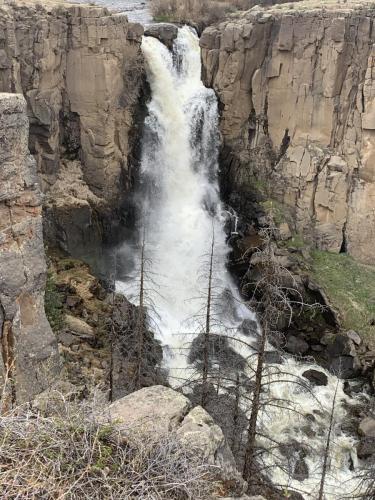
(80, 69)
(297, 94)
(28, 346)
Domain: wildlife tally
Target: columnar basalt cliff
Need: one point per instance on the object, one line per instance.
(296, 87)
(29, 359)
(80, 69)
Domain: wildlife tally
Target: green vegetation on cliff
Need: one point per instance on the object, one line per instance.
(53, 304)
(350, 287)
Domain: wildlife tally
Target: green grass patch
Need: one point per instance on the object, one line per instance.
(350, 287)
(296, 241)
(53, 304)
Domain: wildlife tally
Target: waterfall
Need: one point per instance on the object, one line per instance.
(181, 212)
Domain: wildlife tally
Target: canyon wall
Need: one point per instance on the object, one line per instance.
(29, 358)
(80, 69)
(297, 95)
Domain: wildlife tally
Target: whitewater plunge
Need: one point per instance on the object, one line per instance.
(181, 213)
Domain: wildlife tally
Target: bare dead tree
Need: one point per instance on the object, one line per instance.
(207, 329)
(134, 351)
(275, 296)
(141, 313)
(328, 444)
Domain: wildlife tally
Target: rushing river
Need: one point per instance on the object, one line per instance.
(182, 212)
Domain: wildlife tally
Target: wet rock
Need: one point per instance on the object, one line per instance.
(166, 33)
(296, 454)
(249, 327)
(316, 377)
(345, 367)
(341, 345)
(367, 427)
(366, 448)
(356, 386)
(273, 357)
(296, 346)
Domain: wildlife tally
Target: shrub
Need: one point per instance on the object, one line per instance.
(72, 454)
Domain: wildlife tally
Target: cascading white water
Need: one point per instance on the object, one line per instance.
(181, 212)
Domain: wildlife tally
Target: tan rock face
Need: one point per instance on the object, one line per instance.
(80, 69)
(29, 357)
(298, 114)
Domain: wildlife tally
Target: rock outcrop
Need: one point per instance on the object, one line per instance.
(159, 410)
(296, 89)
(80, 69)
(29, 359)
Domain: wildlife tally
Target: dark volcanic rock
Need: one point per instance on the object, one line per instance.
(164, 32)
(297, 346)
(316, 377)
(366, 448)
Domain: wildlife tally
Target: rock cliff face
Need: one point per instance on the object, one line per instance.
(296, 88)
(28, 347)
(80, 69)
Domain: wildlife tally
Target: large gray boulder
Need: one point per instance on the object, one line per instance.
(158, 410)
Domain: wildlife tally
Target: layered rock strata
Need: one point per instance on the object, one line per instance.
(80, 69)
(29, 359)
(296, 89)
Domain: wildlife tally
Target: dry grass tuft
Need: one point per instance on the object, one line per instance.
(70, 453)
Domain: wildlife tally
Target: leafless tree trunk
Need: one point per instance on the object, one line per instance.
(207, 330)
(140, 324)
(328, 444)
(252, 428)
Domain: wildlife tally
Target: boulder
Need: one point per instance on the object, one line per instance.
(160, 410)
(296, 346)
(78, 327)
(352, 335)
(316, 377)
(345, 367)
(166, 33)
(367, 427)
(366, 448)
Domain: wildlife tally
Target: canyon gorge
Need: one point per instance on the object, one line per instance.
(150, 179)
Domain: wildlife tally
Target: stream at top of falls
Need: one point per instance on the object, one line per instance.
(181, 215)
